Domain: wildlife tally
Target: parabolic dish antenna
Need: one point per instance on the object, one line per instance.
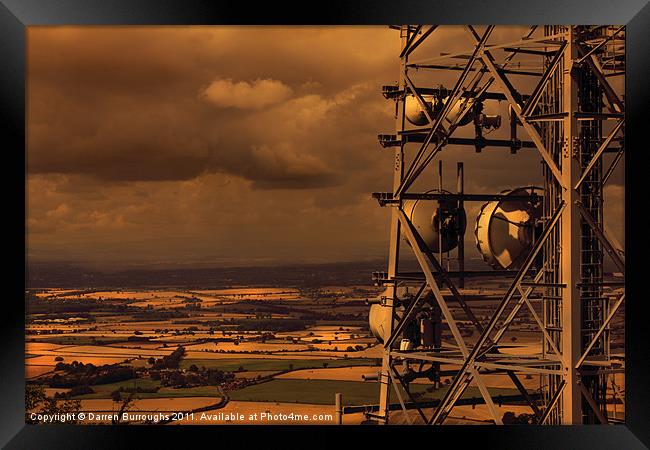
(417, 116)
(436, 221)
(505, 229)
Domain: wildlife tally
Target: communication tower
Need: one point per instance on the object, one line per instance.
(549, 243)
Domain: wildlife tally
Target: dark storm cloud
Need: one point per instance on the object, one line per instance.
(230, 144)
(170, 104)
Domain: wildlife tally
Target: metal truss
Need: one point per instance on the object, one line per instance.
(568, 138)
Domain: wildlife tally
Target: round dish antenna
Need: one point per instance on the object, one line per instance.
(436, 221)
(505, 229)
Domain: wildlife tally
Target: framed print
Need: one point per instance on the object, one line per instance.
(358, 218)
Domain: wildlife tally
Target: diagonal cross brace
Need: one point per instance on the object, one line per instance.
(413, 172)
(530, 129)
(552, 403)
(599, 153)
(525, 394)
(597, 47)
(419, 98)
(539, 89)
(469, 362)
(451, 322)
(440, 415)
(411, 38)
(615, 103)
(592, 403)
(613, 165)
(515, 310)
(452, 288)
(399, 396)
(540, 325)
(408, 393)
(407, 315)
(414, 43)
(408, 179)
(443, 139)
(600, 331)
(611, 251)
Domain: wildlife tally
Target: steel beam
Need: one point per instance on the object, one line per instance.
(535, 366)
(393, 256)
(522, 43)
(442, 274)
(506, 399)
(410, 396)
(570, 273)
(387, 197)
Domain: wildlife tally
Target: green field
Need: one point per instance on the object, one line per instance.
(322, 392)
(252, 364)
(104, 390)
(199, 391)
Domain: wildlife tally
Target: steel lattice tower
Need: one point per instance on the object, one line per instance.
(571, 117)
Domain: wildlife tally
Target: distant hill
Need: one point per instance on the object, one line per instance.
(64, 275)
(71, 275)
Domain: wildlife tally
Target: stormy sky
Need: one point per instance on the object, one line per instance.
(228, 145)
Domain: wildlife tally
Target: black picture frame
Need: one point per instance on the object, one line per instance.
(16, 15)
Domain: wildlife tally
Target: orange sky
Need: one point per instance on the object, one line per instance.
(225, 145)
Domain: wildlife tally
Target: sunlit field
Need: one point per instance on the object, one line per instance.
(240, 350)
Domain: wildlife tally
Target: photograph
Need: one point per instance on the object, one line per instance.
(325, 225)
